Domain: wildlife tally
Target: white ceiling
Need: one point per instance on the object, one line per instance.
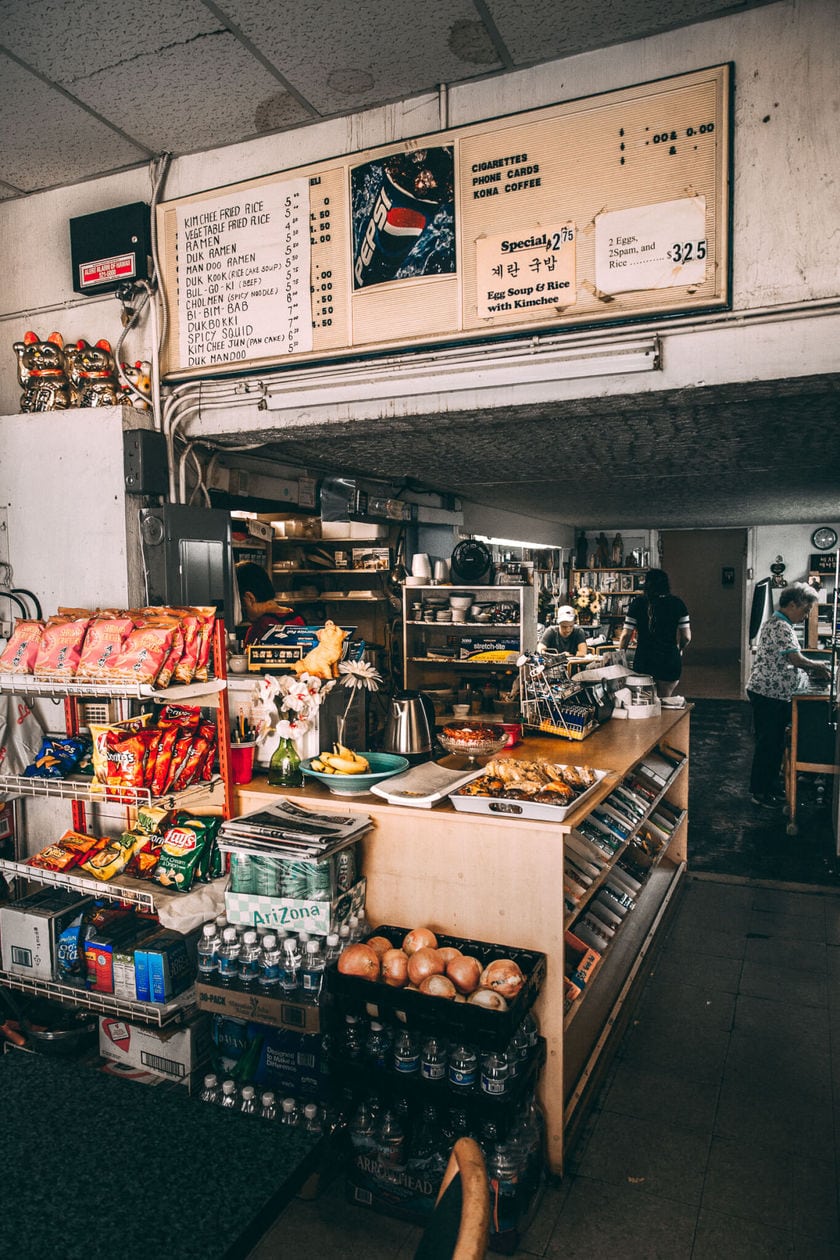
(89, 88)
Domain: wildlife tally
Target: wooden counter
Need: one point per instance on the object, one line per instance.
(501, 879)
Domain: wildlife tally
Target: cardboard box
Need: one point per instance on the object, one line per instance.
(172, 1052)
(290, 1063)
(165, 965)
(256, 1007)
(318, 918)
(30, 928)
(487, 647)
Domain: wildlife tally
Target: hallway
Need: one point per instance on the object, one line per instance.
(714, 1131)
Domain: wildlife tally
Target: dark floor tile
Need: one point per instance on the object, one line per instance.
(658, 1043)
(784, 984)
(719, 1235)
(794, 1194)
(784, 926)
(803, 956)
(599, 1219)
(784, 1065)
(706, 1005)
(693, 937)
(771, 1022)
(832, 966)
(341, 1230)
(536, 1237)
(662, 1097)
(690, 968)
(783, 901)
(657, 1159)
(777, 1119)
(832, 920)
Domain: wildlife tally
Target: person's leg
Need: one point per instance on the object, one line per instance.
(770, 721)
(665, 687)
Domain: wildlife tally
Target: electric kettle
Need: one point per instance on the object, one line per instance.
(408, 730)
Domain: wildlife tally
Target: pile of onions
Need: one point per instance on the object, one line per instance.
(439, 971)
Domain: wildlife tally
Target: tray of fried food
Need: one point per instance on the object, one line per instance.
(527, 789)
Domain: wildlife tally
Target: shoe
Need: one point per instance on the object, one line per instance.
(766, 802)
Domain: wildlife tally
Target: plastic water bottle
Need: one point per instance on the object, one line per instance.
(344, 936)
(355, 931)
(333, 949)
(406, 1057)
(428, 1149)
(229, 1098)
(390, 1141)
(248, 1099)
(363, 926)
(312, 971)
(353, 1039)
(208, 951)
(268, 1105)
(463, 1067)
(270, 957)
(495, 1073)
(221, 922)
(210, 1092)
(249, 959)
(531, 1029)
(289, 1112)
(378, 1045)
(518, 1052)
(503, 1173)
(229, 957)
(303, 936)
(289, 969)
(362, 1130)
(433, 1059)
(312, 1122)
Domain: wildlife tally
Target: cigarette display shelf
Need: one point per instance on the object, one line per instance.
(159, 1014)
(616, 857)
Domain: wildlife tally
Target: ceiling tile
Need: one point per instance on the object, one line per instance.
(343, 57)
(543, 30)
(208, 93)
(65, 40)
(60, 142)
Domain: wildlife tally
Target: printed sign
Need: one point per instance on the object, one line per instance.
(526, 272)
(651, 247)
(243, 275)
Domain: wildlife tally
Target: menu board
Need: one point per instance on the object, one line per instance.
(590, 212)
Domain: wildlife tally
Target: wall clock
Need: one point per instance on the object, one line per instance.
(824, 538)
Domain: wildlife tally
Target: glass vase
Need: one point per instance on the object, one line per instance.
(284, 768)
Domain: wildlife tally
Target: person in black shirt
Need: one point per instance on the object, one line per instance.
(259, 605)
(565, 636)
(661, 625)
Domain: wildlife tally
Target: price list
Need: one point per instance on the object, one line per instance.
(328, 234)
(243, 275)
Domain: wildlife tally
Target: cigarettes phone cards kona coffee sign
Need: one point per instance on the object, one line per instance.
(593, 211)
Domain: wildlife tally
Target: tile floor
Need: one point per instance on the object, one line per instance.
(714, 1134)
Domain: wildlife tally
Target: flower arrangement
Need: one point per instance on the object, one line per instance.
(356, 676)
(285, 706)
(587, 603)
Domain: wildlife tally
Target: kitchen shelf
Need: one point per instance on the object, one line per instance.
(434, 660)
(105, 686)
(159, 1014)
(522, 632)
(467, 625)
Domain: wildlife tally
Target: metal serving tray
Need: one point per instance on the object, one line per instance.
(500, 806)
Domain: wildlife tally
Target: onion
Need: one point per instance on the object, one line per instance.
(394, 968)
(379, 944)
(359, 960)
(425, 962)
(448, 952)
(464, 972)
(419, 938)
(489, 999)
(438, 986)
(502, 976)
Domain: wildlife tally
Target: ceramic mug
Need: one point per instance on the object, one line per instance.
(421, 566)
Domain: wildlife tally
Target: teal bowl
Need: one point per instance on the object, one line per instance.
(382, 766)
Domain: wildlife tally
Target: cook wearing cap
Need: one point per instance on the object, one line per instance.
(565, 636)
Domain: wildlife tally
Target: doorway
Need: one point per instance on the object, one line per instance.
(707, 568)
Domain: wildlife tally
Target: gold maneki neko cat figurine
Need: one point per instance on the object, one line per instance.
(92, 374)
(42, 373)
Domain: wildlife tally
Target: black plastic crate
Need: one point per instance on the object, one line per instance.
(420, 1011)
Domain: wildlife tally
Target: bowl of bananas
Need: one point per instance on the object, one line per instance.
(349, 773)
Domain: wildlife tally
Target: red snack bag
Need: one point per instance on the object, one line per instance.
(167, 669)
(205, 770)
(186, 715)
(179, 754)
(53, 858)
(207, 621)
(60, 647)
(163, 760)
(127, 758)
(79, 844)
(20, 653)
(102, 645)
(144, 652)
(190, 769)
(99, 738)
(185, 669)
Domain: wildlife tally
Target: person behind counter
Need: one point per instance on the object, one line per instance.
(776, 674)
(565, 636)
(662, 628)
(259, 604)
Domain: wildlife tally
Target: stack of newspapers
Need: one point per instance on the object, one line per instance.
(286, 829)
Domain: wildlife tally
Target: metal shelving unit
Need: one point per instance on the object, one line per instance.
(104, 687)
(155, 1013)
(79, 788)
(144, 894)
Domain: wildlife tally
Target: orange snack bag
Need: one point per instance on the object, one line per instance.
(143, 653)
(102, 645)
(207, 618)
(60, 648)
(20, 653)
